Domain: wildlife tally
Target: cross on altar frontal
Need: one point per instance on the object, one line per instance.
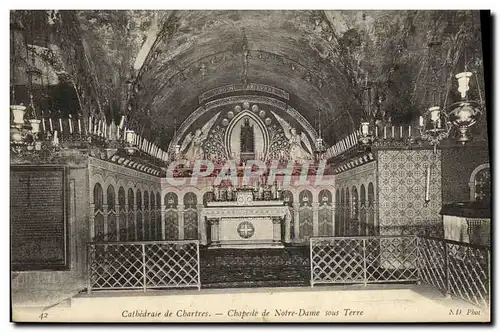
(246, 229)
(246, 223)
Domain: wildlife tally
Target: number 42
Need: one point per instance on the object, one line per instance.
(43, 315)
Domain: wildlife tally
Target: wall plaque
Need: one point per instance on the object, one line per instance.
(38, 219)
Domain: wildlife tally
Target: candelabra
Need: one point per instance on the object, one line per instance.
(366, 138)
(320, 150)
(434, 126)
(465, 113)
(25, 138)
(130, 146)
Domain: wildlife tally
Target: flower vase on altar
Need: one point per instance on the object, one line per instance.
(18, 112)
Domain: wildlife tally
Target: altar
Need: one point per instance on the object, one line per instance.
(247, 223)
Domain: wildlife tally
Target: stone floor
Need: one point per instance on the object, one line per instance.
(356, 303)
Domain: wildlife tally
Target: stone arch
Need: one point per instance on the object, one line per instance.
(472, 179)
(139, 215)
(190, 202)
(240, 116)
(305, 215)
(325, 213)
(362, 209)
(171, 201)
(131, 233)
(372, 227)
(96, 179)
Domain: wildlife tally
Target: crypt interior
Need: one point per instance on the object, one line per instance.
(369, 129)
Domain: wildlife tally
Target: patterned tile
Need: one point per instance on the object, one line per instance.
(402, 190)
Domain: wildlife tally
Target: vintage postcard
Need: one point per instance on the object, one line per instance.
(250, 166)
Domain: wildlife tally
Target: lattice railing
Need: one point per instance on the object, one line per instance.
(456, 268)
(363, 259)
(143, 265)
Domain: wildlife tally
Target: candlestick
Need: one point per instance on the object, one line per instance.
(79, 126)
(50, 123)
(385, 132)
(60, 125)
(392, 129)
(409, 131)
(400, 131)
(70, 125)
(90, 124)
(43, 124)
(376, 131)
(421, 121)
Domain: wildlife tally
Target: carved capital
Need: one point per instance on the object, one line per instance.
(277, 220)
(213, 221)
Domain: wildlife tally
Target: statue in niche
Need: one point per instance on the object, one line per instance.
(195, 141)
(299, 146)
(247, 140)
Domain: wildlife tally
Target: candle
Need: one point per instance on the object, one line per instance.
(90, 124)
(376, 131)
(43, 124)
(79, 126)
(50, 123)
(409, 131)
(400, 131)
(392, 129)
(60, 125)
(385, 132)
(70, 125)
(421, 121)
(122, 121)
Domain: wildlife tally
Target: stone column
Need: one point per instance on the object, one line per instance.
(296, 228)
(214, 231)
(162, 211)
(92, 222)
(202, 227)
(105, 214)
(315, 209)
(180, 220)
(117, 218)
(287, 226)
(143, 213)
(333, 220)
(277, 229)
(135, 221)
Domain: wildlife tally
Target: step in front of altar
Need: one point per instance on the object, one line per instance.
(226, 268)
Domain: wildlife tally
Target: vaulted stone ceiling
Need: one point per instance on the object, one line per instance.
(208, 49)
(153, 66)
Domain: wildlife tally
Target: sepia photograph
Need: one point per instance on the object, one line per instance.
(250, 166)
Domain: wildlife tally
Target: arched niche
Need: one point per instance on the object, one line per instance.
(232, 135)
